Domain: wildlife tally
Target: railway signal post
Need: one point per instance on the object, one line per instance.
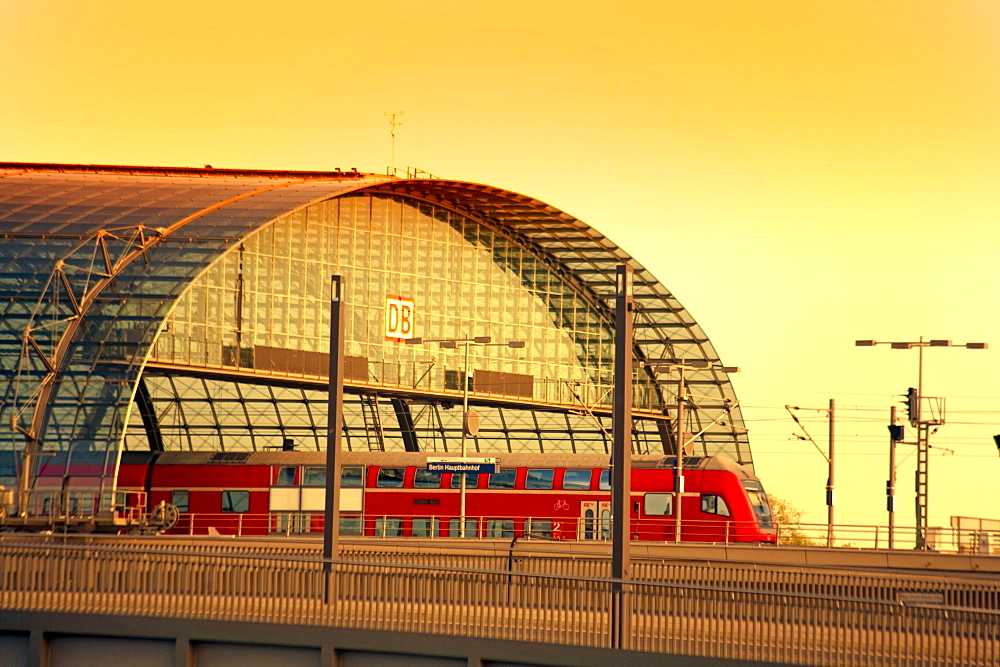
(922, 420)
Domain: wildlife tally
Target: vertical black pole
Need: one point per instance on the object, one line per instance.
(890, 485)
(829, 481)
(621, 458)
(335, 426)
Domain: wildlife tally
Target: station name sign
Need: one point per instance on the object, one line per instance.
(463, 465)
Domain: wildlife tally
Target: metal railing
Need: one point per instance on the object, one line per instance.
(63, 510)
(950, 539)
(554, 527)
(741, 613)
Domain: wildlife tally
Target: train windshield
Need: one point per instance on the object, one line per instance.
(758, 501)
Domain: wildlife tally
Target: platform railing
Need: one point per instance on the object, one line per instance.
(66, 510)
(950, 539)
(724, 617)
(551, 527)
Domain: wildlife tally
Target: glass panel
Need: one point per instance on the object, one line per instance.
(539, 527)
(455, 527)
(577, 480)
(500, 528)
(712, 504)
(315, 476)
(388, 526)
(658, 504)
(179, 499)
(759, 503)
(426, 479)
(605, 482)
(286, 477)
(471, 480)
(350, 525)
(352, 477)
(503, 479)
(426, 527)
(236, 501)
(539, 479)
(390, 477)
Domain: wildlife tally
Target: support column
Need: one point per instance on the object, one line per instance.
(621, 459)
(335, 427)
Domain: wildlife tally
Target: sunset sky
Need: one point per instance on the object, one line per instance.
(800, 174)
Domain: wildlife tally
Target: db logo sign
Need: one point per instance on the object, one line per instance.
(398, 318)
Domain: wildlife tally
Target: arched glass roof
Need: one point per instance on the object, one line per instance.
(92, 259)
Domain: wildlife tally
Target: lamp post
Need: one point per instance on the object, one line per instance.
(680, 438)
(922, 423)
(470, 420)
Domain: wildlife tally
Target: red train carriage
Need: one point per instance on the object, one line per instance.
(394, 494)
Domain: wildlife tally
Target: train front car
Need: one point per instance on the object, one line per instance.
(717, 505)
(730, 487)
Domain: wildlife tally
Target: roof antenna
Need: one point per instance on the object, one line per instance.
(393, 124)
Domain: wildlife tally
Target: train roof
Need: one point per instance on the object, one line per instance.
(404, 459)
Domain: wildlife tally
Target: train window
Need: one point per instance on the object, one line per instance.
(390, 477)
(426, 527)
(236, 501)
(539, 479)
(499, 528)
(426, 479)
(712, 504)
(455, 527)
(388, 526)
(314, 476)
(539, 527)
(503, 479)
(471, 480)
(658, 504)
(577, 480)
(758, 500)
(352, 477)
(179, 498)
(286, 476)
(350, 525)
(605, 482)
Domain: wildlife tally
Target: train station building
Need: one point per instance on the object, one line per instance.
(162, 309)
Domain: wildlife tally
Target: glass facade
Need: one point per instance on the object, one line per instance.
(175, 309)
(270, 296)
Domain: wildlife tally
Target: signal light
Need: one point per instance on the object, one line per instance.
(996, 440)
(896, 432)
(912, 404)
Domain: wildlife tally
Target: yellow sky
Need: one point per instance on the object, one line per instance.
(799, 173)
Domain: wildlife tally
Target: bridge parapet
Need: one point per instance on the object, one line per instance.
(696, 611)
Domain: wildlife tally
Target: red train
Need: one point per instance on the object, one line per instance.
(394, 494)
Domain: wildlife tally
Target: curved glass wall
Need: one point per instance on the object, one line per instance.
(263, 309)
(265, 306)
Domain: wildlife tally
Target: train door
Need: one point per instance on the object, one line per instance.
(595, 520)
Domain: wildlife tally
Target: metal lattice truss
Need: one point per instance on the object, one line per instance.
(84, 274)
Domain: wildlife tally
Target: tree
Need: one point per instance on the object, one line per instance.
(787, 516)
